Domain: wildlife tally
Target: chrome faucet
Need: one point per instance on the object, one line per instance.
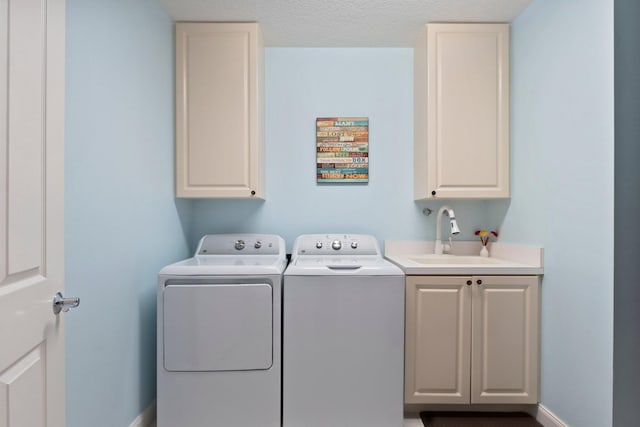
(439, 248)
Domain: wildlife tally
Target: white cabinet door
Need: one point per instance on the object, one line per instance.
(461, 74)
(438, 341)
(32, 391)
(505, 339)
(219, 110)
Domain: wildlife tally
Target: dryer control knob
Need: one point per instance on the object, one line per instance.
(336, 245)
(354, 245)
(319, 244)
(239, 245)
(258, 244)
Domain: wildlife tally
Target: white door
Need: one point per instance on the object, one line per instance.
(505, 339)
(31, 212)
(438, 327)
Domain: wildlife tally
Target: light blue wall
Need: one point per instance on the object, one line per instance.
(122, 222)
(562, 159)
(303, 84)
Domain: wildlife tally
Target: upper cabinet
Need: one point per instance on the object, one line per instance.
(461, 112)
(219, 110)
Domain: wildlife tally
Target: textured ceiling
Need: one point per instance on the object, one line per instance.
(344, 23)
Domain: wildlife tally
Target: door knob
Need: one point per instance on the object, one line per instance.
(61, 303)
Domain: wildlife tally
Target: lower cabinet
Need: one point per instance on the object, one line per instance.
(472, 339)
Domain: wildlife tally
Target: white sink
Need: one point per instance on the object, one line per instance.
(454, 260)
(417, 258)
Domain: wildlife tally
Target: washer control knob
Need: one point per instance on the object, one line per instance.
(258, 244)
(319, 244)
(239, 245)
(354, 245)
(336, 245)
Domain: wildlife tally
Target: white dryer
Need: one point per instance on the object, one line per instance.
(219, 334)
(343, 334)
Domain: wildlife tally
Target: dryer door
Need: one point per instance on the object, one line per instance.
(218, 327)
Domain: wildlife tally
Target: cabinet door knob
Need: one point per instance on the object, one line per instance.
(469, 282)
(253, 193)
(479, 282)
(433, 193)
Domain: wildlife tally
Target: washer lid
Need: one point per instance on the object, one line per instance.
(342, 266)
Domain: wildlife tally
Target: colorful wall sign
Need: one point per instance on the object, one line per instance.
(342, 148)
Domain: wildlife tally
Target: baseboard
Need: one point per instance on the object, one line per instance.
(147, 417)
(547, 418)
(416, 408)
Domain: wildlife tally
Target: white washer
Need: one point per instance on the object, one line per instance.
(343, 334)
(219, 334)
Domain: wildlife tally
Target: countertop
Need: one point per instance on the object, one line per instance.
(416, 258)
